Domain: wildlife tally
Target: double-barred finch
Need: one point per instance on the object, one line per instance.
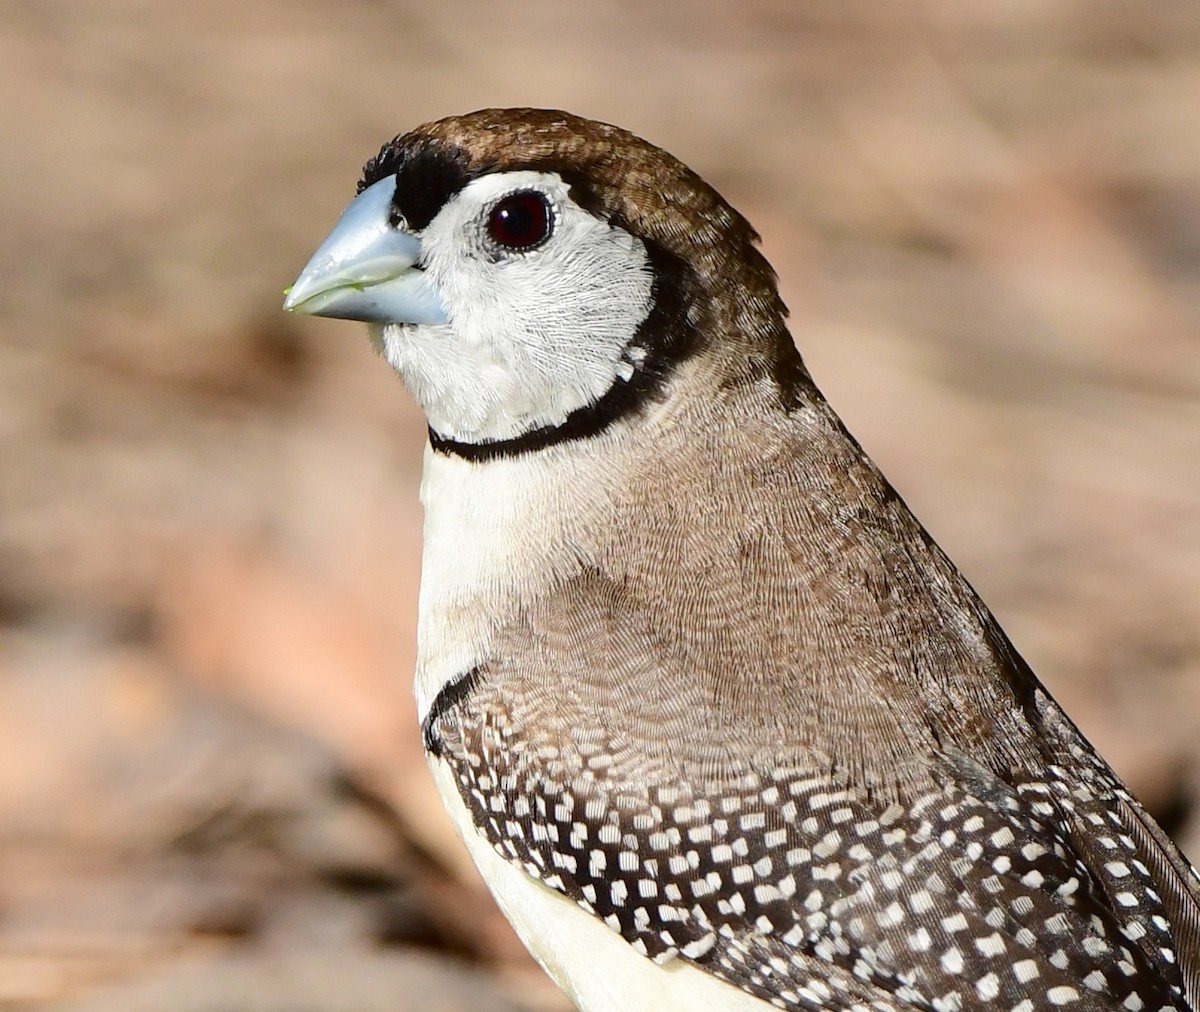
(721, 725)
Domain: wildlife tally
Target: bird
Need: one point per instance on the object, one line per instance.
(720, 724)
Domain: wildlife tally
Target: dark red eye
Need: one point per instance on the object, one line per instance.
(521, 221)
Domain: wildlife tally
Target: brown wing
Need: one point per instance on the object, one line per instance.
(803, 890)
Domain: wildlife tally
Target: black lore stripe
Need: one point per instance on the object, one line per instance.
(428, 173)
(667, 338)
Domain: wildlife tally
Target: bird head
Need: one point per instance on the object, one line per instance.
(534, 275)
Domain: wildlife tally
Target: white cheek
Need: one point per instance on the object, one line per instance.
(532, 337)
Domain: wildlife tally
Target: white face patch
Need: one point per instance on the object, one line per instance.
(533, 335)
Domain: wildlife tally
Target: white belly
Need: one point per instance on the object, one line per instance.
(593, 964)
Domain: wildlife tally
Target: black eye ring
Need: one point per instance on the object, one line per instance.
(521, 221)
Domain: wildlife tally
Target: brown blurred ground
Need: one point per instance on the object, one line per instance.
(987, 222)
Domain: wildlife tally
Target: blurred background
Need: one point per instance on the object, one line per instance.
(987, 223)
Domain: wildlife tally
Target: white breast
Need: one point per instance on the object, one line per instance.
(494, 535)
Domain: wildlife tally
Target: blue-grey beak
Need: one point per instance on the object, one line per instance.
(366, 269)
